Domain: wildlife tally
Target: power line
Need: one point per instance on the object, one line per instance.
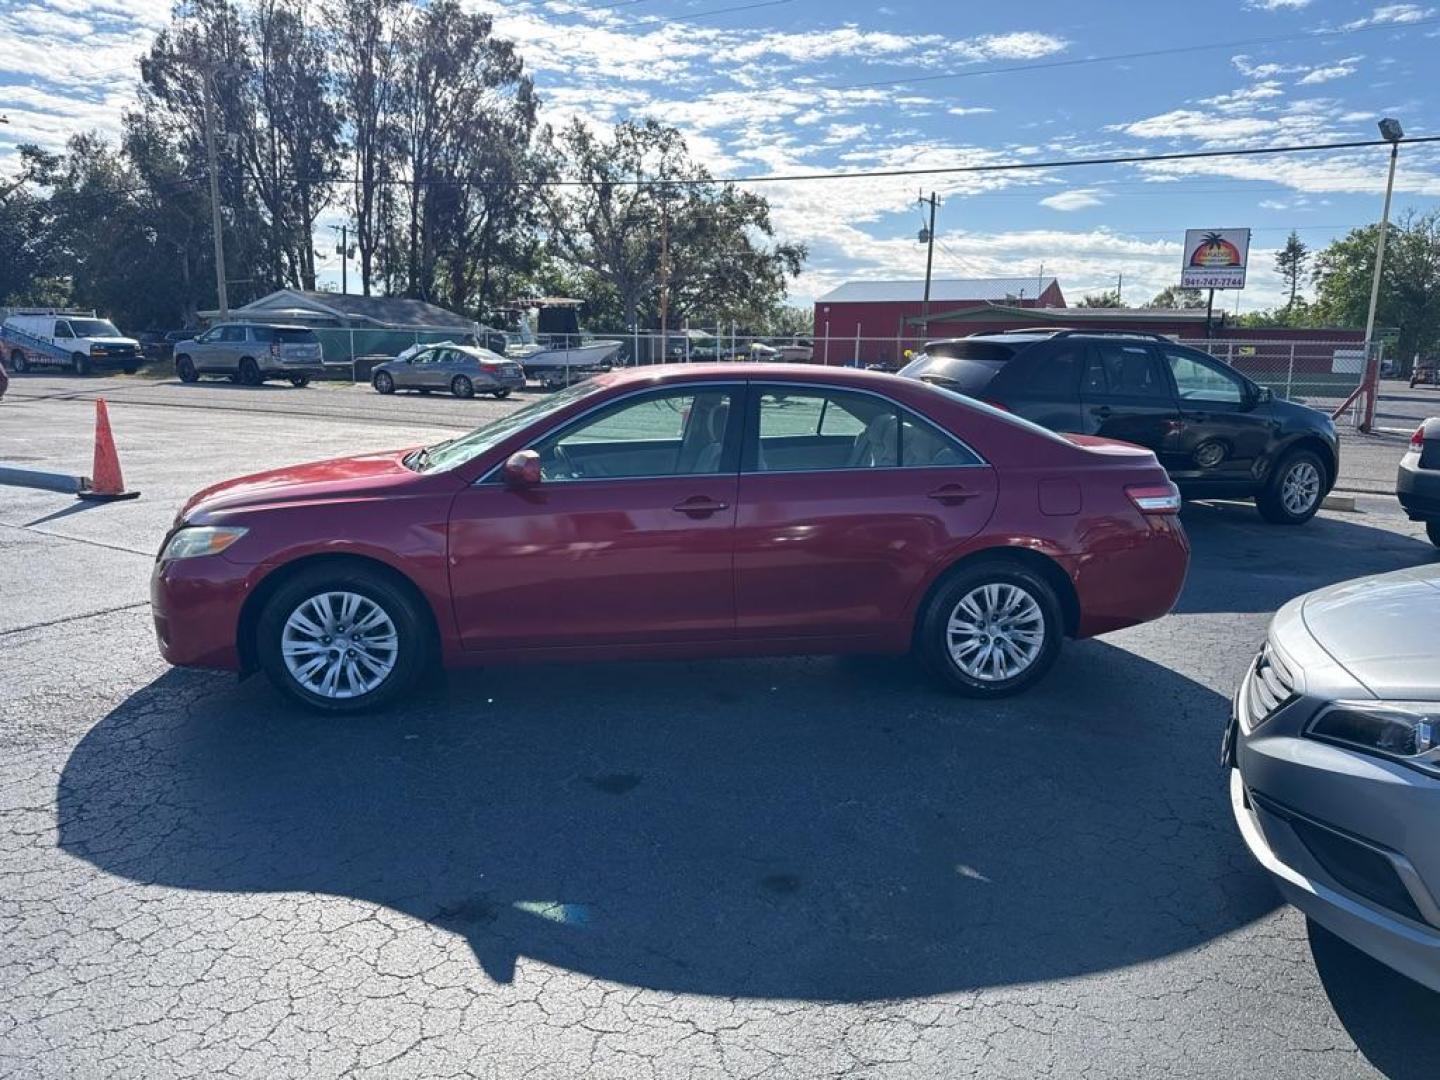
(656, 22)
(939, 170)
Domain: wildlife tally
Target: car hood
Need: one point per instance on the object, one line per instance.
(366, 476)
(111, 340)
(1385, 630)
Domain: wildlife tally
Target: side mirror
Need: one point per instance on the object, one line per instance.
(1264, 395)
(522, 469)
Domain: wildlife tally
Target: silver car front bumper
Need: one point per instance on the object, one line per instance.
(1348, 837)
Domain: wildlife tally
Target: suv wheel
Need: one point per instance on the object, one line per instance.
(185, 369)
(300, 381)
(1294, 491)
(249, 372)
(341, 639)
(991, 630)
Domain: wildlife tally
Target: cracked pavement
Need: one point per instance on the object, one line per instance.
(780, 868)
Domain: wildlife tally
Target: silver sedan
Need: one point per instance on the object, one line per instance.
(1335, 739)
(463, 370)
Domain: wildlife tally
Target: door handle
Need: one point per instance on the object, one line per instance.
(951, 495)
(700, 506)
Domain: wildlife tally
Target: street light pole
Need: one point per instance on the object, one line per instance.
(1390, 129)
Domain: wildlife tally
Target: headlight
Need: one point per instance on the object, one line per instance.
(1403, 731)
(195, 540)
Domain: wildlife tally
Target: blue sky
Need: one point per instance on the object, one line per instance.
(777, 88)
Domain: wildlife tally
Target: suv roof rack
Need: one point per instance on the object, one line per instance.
(1067, 331)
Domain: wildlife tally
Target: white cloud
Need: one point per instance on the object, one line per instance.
(1330, 72)
(1277, 5)
(968, 110)
(1392, 13)
(1075, 199)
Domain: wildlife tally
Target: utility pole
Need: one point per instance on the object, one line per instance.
(207, 71)
(929, 237)
(344, 252)
(1120, 289)
(664, 274)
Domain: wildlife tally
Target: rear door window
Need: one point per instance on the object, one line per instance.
(1124, 370)
(1055, 373)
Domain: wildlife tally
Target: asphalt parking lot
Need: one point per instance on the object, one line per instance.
(797, 867)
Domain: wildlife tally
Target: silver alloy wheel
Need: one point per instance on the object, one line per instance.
(995, 632)
(339, 644)
(1300, 487)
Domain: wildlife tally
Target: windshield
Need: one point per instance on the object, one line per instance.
(93, 328)
(453, 452)
(966, 366)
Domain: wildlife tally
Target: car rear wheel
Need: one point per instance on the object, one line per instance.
(185, 369)
(19, 363)
(501, 395)
(300, 381)
(1432, 530)
(342, 639)
(1294, 491)
(81, 363)
(383, 382)
(461, 386)
(991, 630)
(249, 373)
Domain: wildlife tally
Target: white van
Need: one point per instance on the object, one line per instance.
(80, 342)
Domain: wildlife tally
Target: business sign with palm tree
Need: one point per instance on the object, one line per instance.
(1215, 258)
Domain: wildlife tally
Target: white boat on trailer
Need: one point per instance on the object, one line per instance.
(553, 349)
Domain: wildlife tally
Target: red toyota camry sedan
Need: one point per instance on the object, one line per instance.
(714, 510)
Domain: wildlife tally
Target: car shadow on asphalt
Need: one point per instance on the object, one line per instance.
(818, 829)
(1241, 563)
(1391, 1018)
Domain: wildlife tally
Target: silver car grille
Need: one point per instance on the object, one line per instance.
(1268, 687)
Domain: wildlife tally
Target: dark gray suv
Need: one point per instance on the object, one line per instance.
(1218, 434)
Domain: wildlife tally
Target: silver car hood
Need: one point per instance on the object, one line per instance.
(1384, 630)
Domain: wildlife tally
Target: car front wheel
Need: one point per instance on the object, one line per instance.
(185, 369)
(1294, 491)
(991, 630)
(81, 363)
(383, 383)
(343, 639)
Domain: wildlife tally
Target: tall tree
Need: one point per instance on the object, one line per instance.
(1409, 306)
(639, 191)
(1110, 298)
(367, 37)
(1290, 263)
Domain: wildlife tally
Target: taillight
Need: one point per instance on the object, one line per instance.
(487, 366)
(1417, 441)
(1155, 498)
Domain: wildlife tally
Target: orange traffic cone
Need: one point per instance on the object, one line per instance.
(106, 483)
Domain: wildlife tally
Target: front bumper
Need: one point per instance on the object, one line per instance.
(196, 606)
(1418, 489)
(1346, 836)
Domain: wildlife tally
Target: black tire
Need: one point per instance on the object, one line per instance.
(248, 373)
(185, 369)
(933, 639)
(19, 363)
(1278, 505)
(300, 381)
(500, 395)
(1432, 530)
(81, 362)
(461, 386)
(383, 383)
(414, 648)
(130, 369)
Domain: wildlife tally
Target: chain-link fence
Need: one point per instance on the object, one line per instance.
(1324, 373)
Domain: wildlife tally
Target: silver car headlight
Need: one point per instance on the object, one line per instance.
(193, 540)
(1403, 731)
